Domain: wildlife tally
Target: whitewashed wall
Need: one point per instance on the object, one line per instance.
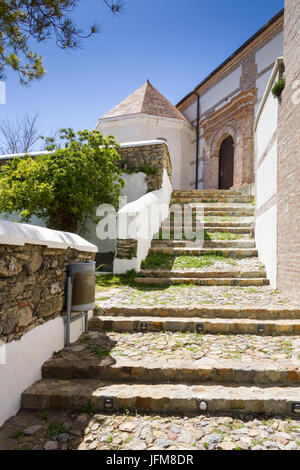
(265, 128)
(24, 360)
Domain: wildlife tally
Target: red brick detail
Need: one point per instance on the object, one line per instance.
(236, 118)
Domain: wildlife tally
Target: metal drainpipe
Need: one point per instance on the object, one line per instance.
(197, 141)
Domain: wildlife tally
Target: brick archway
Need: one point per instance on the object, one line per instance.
(235, 119)
(214, 152)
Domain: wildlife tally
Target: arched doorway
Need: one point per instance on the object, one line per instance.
(226, 163)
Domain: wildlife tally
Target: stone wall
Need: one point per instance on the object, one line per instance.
(126, 249)
(288, 229)
(154, 157)
(32, 286)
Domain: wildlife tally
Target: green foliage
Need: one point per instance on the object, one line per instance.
(128, 167)
(221, 236)
(89, 409)
(25, 21)
(161, 260)
(109, 281)
(278, 87)
(64, 187)
(56, 428)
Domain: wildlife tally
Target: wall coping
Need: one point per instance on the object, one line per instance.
(10, 156)
(14, 233)
(277, 66)
(143, 143)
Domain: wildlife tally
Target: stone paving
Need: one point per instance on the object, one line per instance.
(83, 431)
(192, 296)
(193, 346)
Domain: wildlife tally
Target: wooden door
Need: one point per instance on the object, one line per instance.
(226, 162)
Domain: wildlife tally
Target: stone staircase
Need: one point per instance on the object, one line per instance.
(228, 359)
(227, 222)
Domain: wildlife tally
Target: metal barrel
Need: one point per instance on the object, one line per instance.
(83, 286)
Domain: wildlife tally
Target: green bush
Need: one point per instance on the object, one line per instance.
(278, 87)
(63, 188)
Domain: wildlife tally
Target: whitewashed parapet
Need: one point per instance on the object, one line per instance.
(265, 129)
(12, 233)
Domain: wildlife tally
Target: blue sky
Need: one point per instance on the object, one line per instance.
(174, 43)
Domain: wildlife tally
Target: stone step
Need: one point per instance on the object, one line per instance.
(230, 227)
(206, 192)
(232, 253)
(224, 206)
(127, 370)
(206, 244)
(240, 230)
(202, 282)
(229, 213)
(160, 398)
(219, 223)
(250, 312)
(214, 212)
(180, 273)
(232, 326)
(211, 200)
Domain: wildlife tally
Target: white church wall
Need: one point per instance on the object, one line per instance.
(222, 89)
(268, 54)
(191, 112)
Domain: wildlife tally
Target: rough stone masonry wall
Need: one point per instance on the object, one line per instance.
(155, 157)
(32, 286)
(288, 229)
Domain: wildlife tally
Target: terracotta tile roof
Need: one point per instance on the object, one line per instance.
(146, 100)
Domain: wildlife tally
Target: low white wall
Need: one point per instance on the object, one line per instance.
(266, 242)
(141, 220)
(24, 359)
(265, 127)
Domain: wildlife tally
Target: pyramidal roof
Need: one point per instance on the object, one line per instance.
(146, 100)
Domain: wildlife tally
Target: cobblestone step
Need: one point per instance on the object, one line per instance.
(230, 213)
(206, 243)
(213, 229)
(214, 193)
(202, 282)
(165, 370)
(165, 273)
(210, 199)
(250, 312)
(232, 326)
(194, 399)
(219, 223)
(233, 253)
